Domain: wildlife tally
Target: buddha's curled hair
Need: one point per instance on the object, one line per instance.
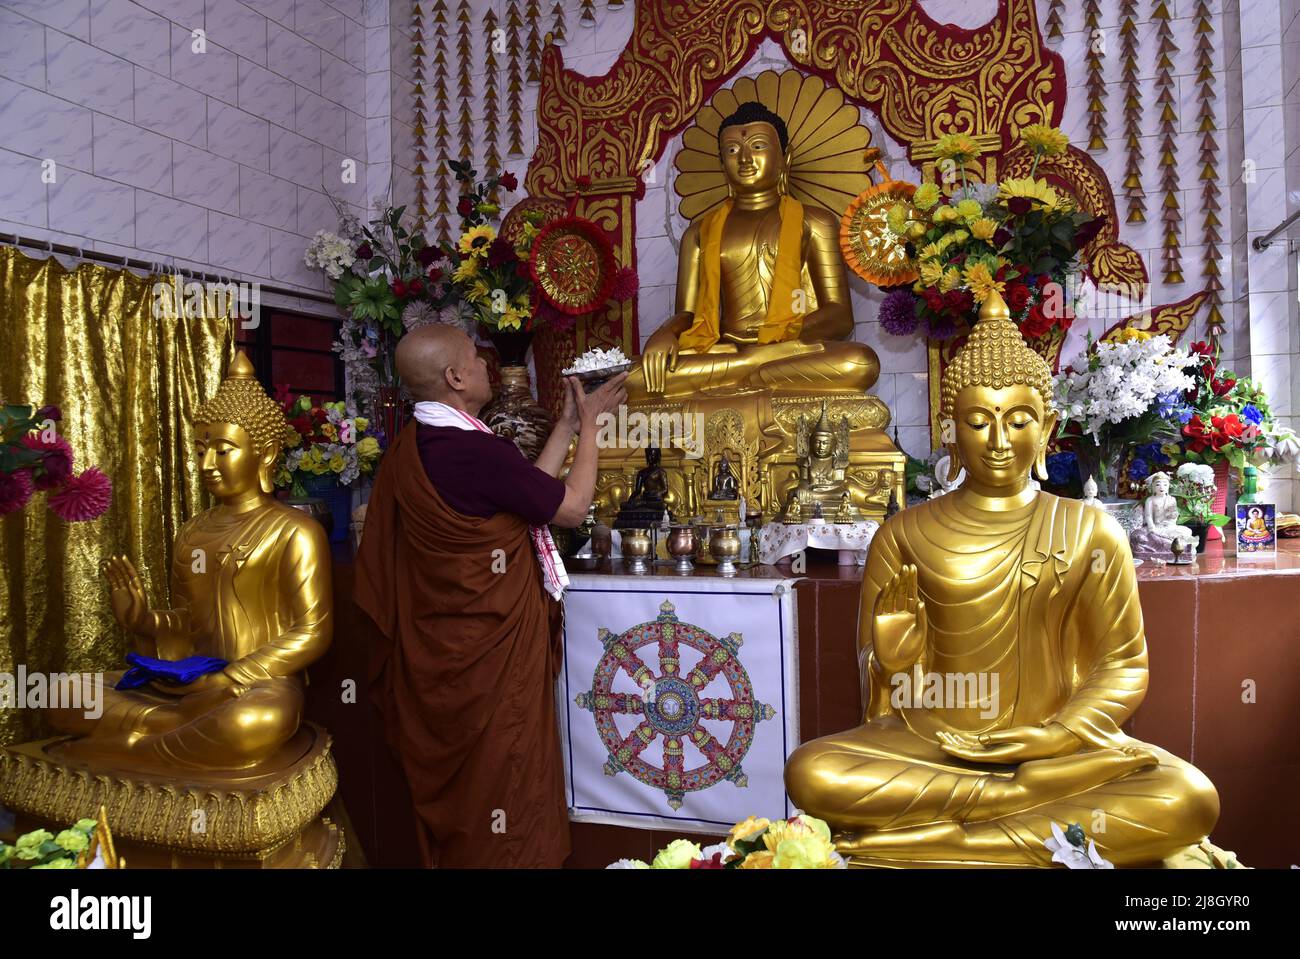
(994, 356)
(241, 400)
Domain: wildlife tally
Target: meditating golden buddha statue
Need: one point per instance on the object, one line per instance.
(1002, 648)
(823, 452)
(251, 593)
(761, 328)
(744, 318)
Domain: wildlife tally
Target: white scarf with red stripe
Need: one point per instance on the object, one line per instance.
(555, 579)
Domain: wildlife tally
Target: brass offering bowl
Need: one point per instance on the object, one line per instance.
(636, 549)
(682, 546)
(724, 545)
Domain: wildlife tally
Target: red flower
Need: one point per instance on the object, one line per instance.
(933, 299)
(1203, 348)
(84, 497)
(15, 491)
(959, 303)
(500, 252)
(1222, 386)
(1037, 323)
(415, 286)
(1196, 434)
(302, 423)
(1088, 231)
(713, 862)
(56, 461)
(465, 207)
(364, 252)
(399, 289)
(625, 285)
(426, 255)
(1017, 296)
(509, 182)
(435, 274)
(1020, 205)
(1230, 425)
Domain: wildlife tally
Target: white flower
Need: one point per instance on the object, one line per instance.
(596, 359)
(419, 313)
(330, 253)
(1125, 382)
(628, 864)
(1072, 856)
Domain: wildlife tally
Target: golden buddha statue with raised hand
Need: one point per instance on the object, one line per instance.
(1002, 647)
(762, 296)
(250, 585)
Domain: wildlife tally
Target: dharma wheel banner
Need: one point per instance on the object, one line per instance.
(679, 701)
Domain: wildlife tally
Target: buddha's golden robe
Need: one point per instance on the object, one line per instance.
(252, 588)
(1043, 598)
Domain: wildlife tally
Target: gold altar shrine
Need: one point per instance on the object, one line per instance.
(761, 333)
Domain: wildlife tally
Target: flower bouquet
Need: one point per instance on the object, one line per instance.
(330, 443)
(800, 842)
(34, 457)
(1019, 237)
(1122, 397)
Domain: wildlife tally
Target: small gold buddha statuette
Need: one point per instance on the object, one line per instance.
(823, 452)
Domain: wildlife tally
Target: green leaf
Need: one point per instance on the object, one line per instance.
(1218, 519)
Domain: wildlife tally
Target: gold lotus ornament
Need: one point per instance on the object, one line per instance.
(870, 246)
(826, 147)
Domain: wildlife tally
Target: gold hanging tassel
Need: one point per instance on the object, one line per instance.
(1212, 266)
(1054, 19)
(514, 81)
(465, 82)
(491, 114)
(557, 25)
(1096, 84)
(533, 68)
(441, 128)
(1133, 190)
(1171, 216)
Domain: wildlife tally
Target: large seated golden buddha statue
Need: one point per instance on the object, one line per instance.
(251, 608)
(760, 335)
(1002, 649)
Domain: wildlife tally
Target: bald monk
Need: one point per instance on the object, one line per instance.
(459, 572)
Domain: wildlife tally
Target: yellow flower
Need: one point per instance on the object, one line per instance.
(758, 860)
(945, 214)
(1044, 139)
(478, 291)
(63, 862)
(368, 448)
(294, 440)
(804, 852)
(476, 240)
(984, 228)
(981, 282)
(969, 209)
(959, 147)
(930, 251)
(677, 855)
(747, 831)
(951, 279)
(1133, 336)
(896, 218)
(361, 424)
(29, 846)
(931, 272)
(331, 431)
(510, 320)
(1037, 190)
(927, 195)
(916, 230)
(467, 269)
(958, 237)
(73, 840)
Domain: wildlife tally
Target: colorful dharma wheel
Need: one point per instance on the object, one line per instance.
(573, 264)
(871, 249)
(673, 707)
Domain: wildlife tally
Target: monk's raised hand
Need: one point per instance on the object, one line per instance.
(900, 625)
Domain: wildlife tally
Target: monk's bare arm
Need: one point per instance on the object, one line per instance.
(551, 459)
(580, 484)
(833, 318)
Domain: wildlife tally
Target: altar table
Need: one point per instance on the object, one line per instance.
(1225, 680)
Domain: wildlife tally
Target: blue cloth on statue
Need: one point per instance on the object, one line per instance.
(181, 672)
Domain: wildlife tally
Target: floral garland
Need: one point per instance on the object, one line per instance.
(329, 440)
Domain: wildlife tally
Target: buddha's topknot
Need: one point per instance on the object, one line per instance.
(994, 356)
(241, 400)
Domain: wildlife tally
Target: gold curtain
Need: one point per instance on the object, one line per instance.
(87, 341)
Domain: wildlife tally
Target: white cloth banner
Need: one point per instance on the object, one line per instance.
(679, 700)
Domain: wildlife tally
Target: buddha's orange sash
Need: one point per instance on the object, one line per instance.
(781, 322)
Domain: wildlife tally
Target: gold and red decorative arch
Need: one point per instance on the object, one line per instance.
(922, 79)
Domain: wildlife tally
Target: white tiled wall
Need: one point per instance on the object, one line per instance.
(212, 150)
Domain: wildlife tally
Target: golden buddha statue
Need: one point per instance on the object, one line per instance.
(1023, 608)
(762, 294)
(250, 584)
(823, 453)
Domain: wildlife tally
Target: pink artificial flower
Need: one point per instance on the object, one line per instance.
(57, 462)
(15, 491)
(86, 496)
(1249, 431)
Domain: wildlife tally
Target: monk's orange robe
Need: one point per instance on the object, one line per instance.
(465, 676)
